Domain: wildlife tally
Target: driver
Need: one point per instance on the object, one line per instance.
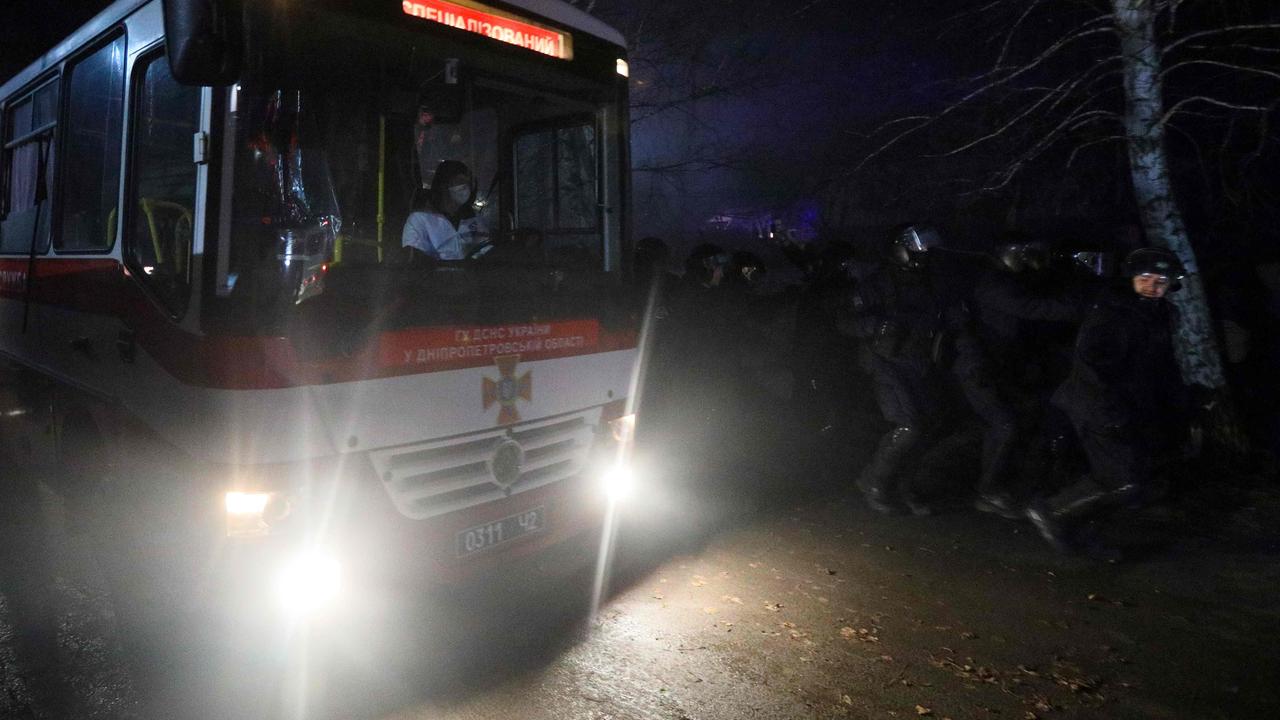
(443, 224)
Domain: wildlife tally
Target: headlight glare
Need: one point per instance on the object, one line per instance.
(623, 429)
(252, 514)
(619, 482)
(244, 503)
(308, 584)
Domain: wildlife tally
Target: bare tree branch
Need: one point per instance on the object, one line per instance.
(1218, 31)
(1177, 107)
(987, 87)
(1216, 63)
(1061, 92)
(1237, 46)
(1013, 31)
(1077, 150)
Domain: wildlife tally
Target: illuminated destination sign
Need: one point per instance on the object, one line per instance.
(476, 18)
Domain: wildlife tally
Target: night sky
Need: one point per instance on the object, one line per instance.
(34, 26)
(796, 90)
(830, 65)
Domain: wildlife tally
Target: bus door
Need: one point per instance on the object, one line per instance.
(162, 227)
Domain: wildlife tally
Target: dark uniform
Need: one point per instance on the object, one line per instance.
(1011, 312)
(897, 314)
(1125, 398)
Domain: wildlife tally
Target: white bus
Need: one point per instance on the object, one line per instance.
(224, 329)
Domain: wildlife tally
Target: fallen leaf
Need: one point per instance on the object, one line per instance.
(846, 699)
(847, 632)
(923, 711)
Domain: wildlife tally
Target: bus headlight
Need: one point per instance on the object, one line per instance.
(251, 514)
(618, 481)
(623, 429)
(308, 583)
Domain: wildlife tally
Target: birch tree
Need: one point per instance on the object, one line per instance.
(1069, 77)
(1144, 124)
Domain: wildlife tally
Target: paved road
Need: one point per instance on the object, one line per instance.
(805, 605)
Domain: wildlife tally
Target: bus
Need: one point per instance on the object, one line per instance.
(217, 343)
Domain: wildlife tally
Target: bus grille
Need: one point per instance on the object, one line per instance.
(429, 479)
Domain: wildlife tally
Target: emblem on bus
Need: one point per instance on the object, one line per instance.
(508, 389)
(504, 464)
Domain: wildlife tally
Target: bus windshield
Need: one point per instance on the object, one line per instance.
(474, 175)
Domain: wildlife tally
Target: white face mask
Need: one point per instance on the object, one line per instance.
(460, 193)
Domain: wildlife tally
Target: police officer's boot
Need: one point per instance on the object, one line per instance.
(1058, 518)
(998, 445)
(876, 479)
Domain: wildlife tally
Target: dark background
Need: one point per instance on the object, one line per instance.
(761, 109)
(32, 27)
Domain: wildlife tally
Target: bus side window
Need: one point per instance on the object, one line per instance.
(28, 145)
(90, 187)
(162, 184)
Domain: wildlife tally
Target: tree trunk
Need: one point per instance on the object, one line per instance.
(1149, 166)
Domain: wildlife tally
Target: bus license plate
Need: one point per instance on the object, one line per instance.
(500, 532)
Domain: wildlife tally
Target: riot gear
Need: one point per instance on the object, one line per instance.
(1124, 397)
(1022, 257)
(706, 264)
(1155, 261)
(897, 316)
(910, 244)
(1093, 263)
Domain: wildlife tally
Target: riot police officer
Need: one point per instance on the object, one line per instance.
(1124, 396)
(897, 314)
(1013, 304)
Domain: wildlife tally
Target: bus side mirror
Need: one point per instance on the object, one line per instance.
(202, 40)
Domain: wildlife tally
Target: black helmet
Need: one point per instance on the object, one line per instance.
(910, 243)
(1017, 257)
(651, 250)
(703, 261)
(1155, 261)
(1097, 263)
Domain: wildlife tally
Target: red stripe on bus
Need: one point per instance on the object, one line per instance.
(98, 286)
